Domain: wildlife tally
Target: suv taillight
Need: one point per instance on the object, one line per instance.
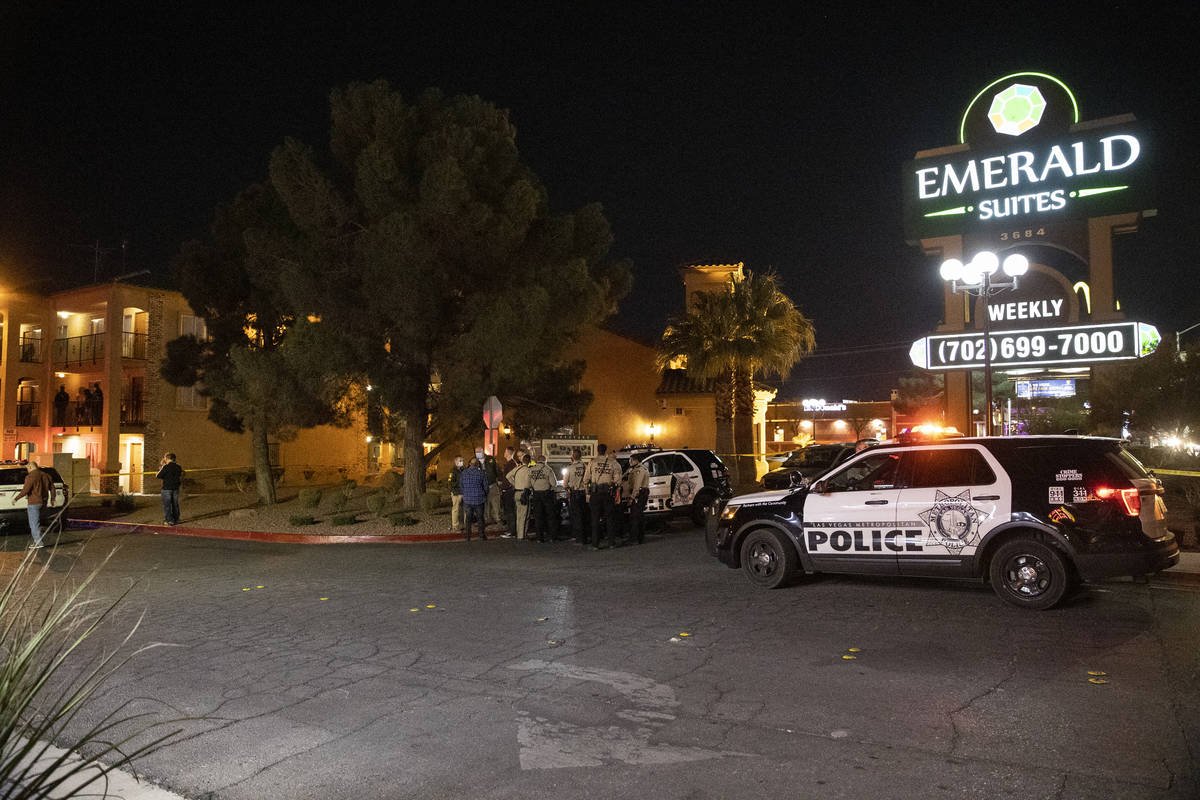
(1129, 499)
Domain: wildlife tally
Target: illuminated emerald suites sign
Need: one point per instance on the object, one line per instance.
(1025, 159)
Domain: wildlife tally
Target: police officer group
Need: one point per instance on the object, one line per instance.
(601, 497)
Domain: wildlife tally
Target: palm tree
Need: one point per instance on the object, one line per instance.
(731, 335)
(772, 338)
(703, 337)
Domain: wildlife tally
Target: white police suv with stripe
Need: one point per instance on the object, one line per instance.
(1032, 515)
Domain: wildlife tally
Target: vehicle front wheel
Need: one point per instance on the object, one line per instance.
(768, 559)
(1029, 574)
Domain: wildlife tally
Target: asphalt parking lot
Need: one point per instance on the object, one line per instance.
(503, 669)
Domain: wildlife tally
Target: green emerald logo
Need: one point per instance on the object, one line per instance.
(1017, 109)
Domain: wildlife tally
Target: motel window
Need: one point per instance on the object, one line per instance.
(189, 397)
(190, 324)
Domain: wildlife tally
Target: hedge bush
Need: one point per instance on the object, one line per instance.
(310, 498)
(343, 519)
(302, 520)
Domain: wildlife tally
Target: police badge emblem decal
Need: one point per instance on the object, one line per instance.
(953, 521)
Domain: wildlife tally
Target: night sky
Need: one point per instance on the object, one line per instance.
(710, 133)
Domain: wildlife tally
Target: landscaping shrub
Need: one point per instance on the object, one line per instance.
(310, 498)
(348, 486)
(376, 503)
(401, 519)
(391, 480)
(434, 500)
(302, 520)
(124, 502)
(339, 503)
(343, 519)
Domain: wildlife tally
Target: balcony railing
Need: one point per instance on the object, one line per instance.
(28, 415)
(31, 349)
(89, 349)
(133, 345)
(78, 350)
(133, 410)
(77, 414)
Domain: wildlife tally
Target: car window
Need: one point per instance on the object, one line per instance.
(949, 467)
(658, 466)
(678, 463)
(814, 457)
(9, 477)
(876, 471)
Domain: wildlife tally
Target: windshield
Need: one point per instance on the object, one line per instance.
(813, 457)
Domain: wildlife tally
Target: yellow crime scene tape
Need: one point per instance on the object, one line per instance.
(1184, 472)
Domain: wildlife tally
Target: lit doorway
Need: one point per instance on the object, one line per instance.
(131, 480)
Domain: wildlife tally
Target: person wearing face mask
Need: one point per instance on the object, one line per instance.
(456, 503)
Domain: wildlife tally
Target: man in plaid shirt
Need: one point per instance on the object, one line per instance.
(474, 494)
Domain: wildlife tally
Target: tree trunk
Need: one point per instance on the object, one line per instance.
(743, 425)
(414, 414)
(723, 403)
(262, 465)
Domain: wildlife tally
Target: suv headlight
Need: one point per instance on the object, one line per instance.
(730, 512)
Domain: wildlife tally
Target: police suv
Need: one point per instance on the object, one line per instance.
(1032, 515)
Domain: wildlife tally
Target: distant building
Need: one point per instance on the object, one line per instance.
(115, 335)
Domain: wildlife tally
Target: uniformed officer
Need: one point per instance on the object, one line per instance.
(545, 501)
(603, 477)
(638, 482)
(576, 483)
(519, 478)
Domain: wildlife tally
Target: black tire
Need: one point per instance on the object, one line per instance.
(699, 510)
(768, 559)
(1029, 574)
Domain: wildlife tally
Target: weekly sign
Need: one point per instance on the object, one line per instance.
(1068, 345)
(1024, 159)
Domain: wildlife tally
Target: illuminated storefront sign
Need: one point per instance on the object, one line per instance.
(1024, 159)
(1078, 177)
(1052, 387)
(1075, 344)
(820, 405)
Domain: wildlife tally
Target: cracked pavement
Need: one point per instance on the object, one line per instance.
(503, 669)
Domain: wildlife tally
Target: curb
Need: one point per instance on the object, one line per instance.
(1174, 575)
(267, 536)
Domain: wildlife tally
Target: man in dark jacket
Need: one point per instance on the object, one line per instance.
(38, 486)
(171, 475)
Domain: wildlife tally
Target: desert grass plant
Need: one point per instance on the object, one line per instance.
(310, 498)
(45, 682)
(376, 503)
(302, 519)
(343, 519)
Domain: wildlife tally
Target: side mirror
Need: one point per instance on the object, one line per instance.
(819, 488)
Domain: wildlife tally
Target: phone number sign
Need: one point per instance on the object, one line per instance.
(1075, 344)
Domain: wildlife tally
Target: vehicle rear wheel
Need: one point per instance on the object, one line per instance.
(768, 559)
(1029, 574)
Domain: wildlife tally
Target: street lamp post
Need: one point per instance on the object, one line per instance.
(1178, 334)
(975, 278)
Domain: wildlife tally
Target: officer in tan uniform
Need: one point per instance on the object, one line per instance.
(519, 478)
(637, 481)
(603, 479)
(545, 501)
(576, 483)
